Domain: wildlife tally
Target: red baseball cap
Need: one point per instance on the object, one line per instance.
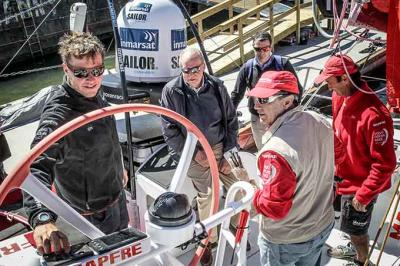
(272, 82)
(335, 67)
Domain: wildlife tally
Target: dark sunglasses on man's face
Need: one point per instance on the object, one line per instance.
(81, 73)
(191, 70)
(259, 49)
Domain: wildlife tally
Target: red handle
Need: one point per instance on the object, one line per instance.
(244, 216)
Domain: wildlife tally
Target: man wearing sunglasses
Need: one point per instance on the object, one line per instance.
(364, 155)
(296, 166)
(251, 71)
(85, 167)
(204, 100)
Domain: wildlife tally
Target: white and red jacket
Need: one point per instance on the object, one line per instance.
(364, 153)
(296, 166)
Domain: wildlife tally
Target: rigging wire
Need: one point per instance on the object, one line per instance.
(338, 23)
(40, 69)
(311, 97)
(344, 27)
(348, 74)
(30, 36)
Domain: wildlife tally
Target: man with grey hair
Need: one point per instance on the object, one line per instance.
(204, 100)
(82, 176)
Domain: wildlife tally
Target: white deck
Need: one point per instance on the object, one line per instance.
(312, 55)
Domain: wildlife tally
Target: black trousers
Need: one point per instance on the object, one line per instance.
(113, 219)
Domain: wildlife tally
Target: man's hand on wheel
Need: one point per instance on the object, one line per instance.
(48, 239)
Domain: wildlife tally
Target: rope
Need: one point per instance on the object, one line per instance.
(25, 11)
(338, 24)
(348, 74)
(22, 72)
(30, 36)
(13, 74)
(338, 21)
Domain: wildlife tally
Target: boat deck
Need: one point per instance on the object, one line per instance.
(308, 59)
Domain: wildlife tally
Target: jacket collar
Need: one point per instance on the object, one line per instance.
(179, 84)
(357, 95)
(75, 94)
(266, 64)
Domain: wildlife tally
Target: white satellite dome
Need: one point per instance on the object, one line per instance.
(153, 33)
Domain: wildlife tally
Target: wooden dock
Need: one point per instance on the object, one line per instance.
(229, 44)
(247, 4)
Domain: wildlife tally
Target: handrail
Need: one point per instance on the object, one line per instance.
(248, 13)
(240, 23)
(213, 10)
(266, 26)
(235, 20)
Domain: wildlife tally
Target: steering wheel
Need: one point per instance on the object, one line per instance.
(21, 177)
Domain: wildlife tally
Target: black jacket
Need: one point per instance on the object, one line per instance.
(86, 165)
(175, 96)
(242, 82)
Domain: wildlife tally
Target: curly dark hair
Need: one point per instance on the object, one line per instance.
(79, 45)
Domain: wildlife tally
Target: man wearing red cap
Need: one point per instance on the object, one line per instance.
(364, 153)
(296, 166)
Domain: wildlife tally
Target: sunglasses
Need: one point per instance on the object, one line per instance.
(264, 49)
(271, 98)
(81, 73)
(191, 70)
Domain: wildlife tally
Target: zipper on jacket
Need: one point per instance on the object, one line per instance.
(86, 194)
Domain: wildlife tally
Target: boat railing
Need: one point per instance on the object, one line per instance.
(242, 20)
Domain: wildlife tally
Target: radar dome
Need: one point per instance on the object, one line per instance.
(153, 33)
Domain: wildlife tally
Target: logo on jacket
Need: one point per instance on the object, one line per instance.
(381, 136)
(269, 172)
(139, 39)
(178, 39)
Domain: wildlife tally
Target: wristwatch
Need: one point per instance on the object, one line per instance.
(42, 218)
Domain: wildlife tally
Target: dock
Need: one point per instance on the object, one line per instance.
(229, 44)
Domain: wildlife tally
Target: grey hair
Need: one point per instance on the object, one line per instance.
(190, 53)
(295, 99)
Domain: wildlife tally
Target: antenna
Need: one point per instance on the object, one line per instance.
(77, 17)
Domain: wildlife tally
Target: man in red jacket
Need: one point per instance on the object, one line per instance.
(364, 153)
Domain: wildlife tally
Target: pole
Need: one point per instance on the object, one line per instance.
(195, 33)
(388, 229)
(395, 192)
(135, 208)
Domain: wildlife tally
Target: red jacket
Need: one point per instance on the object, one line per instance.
(364, 151)
(275, 199)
